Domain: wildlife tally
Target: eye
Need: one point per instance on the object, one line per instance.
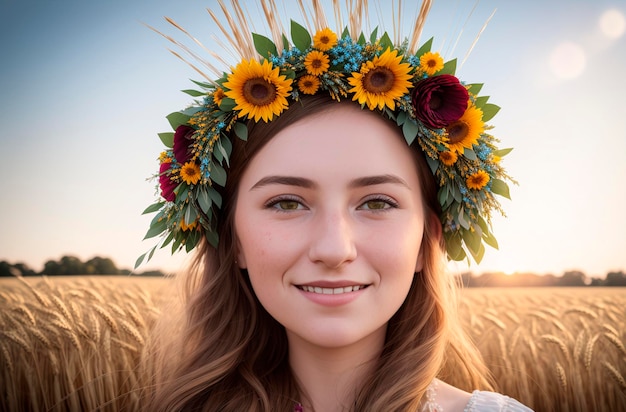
(379, 203)
(285, 204)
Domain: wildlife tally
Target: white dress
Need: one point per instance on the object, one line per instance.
(480, 401)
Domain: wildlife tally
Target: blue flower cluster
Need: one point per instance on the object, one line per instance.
(347, 53)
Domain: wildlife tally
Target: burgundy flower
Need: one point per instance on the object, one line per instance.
(182, 140)
(167, 186)
(439, 100)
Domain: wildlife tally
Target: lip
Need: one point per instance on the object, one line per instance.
(328, 293)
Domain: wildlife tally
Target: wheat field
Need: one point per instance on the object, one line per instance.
(75, 343)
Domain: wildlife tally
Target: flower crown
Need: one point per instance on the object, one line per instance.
(443, 116)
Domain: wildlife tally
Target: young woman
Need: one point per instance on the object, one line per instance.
(321, 235)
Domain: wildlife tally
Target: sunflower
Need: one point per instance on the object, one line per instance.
(218, 95)
(316, 63)
(431, 63)
(259, 91)
(464, 133)
(308, 84)
(324, 39)
(185, 227)
(477, 180)
(381, 81)
(190, 173)
(448, 158)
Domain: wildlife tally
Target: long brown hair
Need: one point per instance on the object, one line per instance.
(219, 350)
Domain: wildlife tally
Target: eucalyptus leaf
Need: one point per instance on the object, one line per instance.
(469, 153)
(177, 119)
(499, 187)
(227, 145)
(151, 253)
(472, 240)
(474, 88)
(264, 46)
(425, 48)
(190, 111)
(168, 239)
(177, 241)
(215, 196)
(478, 254)
(443, 195)
(190, 215)
(454, 247)
(221, 149)
(490, 239)
(489, 111)
(432, 163)
(461, 218)
(156, 229)
(193, 93)
(300, 36)
(167, 138)
(241, 130)
(203, 85)
(204, 201)
(218, 174)
(212, 238)
(401, 118)
(191, 241)
(139, 260)
(502, 152)
(449, 67)
(153, 208)
(409, 129)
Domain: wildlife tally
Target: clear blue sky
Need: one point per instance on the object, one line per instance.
(85, 88)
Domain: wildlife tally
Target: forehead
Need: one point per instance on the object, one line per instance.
(341, 139)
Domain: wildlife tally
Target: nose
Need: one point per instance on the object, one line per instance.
(332, 240)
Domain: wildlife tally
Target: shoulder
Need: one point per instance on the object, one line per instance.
(447, 398)
(482, 401)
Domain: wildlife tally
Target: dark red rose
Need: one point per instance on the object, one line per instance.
(167, 186)
(439, 100)
(182, 140)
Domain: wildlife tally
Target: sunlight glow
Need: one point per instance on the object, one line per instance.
(613, 24)
(568, 60)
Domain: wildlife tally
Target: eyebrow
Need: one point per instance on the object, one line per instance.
(309, 184)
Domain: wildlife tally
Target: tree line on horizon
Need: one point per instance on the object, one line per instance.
(73, 266)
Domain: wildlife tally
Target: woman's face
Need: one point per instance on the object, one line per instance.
(329, 222)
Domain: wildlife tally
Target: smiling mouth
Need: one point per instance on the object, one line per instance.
(331, 291)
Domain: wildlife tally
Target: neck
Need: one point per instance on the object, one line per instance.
(330, 377)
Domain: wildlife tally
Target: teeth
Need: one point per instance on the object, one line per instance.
(331, 291)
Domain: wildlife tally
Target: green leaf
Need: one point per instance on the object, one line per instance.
(373, 35)
(168, 239)
(409, 129)
(385, 42)
(190, 111)
(443, 195)
(177, 119)
(179, 239)
(454, 247)
(215, 196)
(218, 174)
(192, 240)
(190, 215)
(481, 101)
(227, 104)
(204, 201)
(241, 130)
(263, 45)
(472, 240)
(285, 43)
(470, 154)
(221, 149)
(203, 85)
(461, 218)
(432, 163)
(448, 67)
(502, 152)
(226, 144)
(345, 32)
(156, 229)
(139, 260)
(401, 118)
(499, 187)
(425, 48)
(474, 88)
(167, 138)
(193, 93)
(300, 36)
(153, 208)
(478, 254)
(490, 239)
(212, 238)
(362, 40)
(489, 111)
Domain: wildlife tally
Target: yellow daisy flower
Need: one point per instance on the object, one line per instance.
(478, 180)
(218, 96)
(316, 63)
(324, 39)
(164, 158)
(381, 81)
(190, 173)
(464, 133)
(431, 63)
(259, 91)
(448, 158)
(308, 84)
